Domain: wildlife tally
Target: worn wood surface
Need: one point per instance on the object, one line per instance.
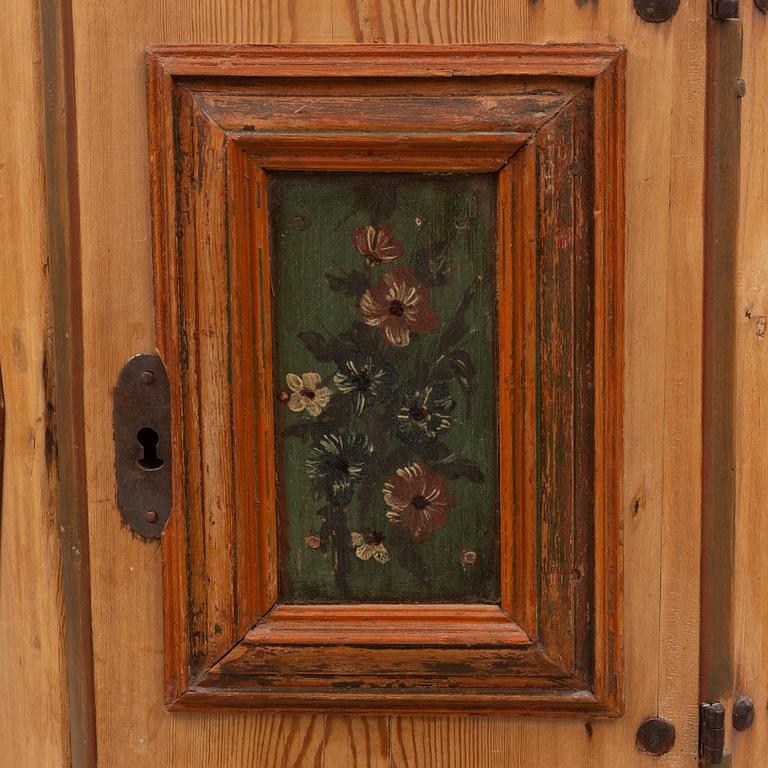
(724, 62)
(750, 589)
(34, 729)
(63, 368)
(566, 272)
(662, 448)
(224, 277)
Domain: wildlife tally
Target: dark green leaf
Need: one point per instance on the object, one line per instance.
(457, 365)
(407, 553)
(324, 532)
(439, 458)
(335, 417)
(300, 429)
(432, 263)
(436, 453)
(318, 490)
(324, 350)
(361, 336)
(460, 467)
(353, 283)
(383, 199)
(396, 459)
(457, 328)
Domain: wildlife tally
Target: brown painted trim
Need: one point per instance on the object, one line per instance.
(563, 252)
(63, 369)
(437, 62)
(724, 59)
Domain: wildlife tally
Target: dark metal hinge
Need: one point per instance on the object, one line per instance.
(711, 733)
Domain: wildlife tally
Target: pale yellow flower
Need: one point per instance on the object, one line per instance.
(370, 546)
(306, 394)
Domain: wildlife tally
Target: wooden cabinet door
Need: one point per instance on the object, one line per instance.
(82, 607)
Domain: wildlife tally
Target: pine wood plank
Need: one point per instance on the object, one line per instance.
(662, 397)
(750, 595)
(678, 632)
(33, 678)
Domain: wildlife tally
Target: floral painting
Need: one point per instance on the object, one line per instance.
(384, 313)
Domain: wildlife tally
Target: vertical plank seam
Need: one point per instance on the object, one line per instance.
(718, 490)
(660, 628)
(64, 378)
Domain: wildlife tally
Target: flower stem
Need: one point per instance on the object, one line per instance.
(339, 536)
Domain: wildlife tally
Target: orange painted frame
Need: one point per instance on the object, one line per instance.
(218, 118)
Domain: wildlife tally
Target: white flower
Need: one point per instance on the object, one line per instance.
(370, 546)
(305, 393)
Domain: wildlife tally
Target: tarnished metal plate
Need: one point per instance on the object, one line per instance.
(142, 431)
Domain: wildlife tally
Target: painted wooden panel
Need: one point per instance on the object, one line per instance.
(384, 360)
(373, 307)
(662, 529)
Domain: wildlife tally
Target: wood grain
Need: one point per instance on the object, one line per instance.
(559, 369)
(63, 370)
(718, 480)
(662, 447)
(34, 729)
(211, 242)
(750, 590)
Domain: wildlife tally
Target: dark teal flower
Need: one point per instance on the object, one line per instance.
(364, 376)
(423, 414)
(338, 462)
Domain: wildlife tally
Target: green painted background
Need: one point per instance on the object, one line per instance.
(312, 217)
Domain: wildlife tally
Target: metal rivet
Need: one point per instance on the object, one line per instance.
(656, 736)
(725, 9)
(656, 11)
(741, 87)
(147, 377)
(743, 713)
(151, 516)
(300, 222)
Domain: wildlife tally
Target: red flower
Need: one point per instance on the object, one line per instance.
(376, 243)
(418, 499)
(398, 305)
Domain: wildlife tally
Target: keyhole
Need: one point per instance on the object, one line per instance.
(148, 440)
